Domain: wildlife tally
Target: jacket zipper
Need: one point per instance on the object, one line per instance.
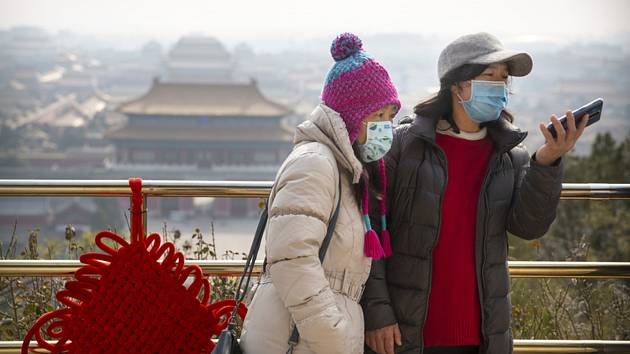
(437, 236)
(480, 279)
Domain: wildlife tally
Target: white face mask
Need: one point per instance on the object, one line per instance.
(379, 141)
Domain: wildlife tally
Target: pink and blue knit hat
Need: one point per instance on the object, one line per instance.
(356, 86)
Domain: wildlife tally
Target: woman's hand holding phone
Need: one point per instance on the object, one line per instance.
(555, 147)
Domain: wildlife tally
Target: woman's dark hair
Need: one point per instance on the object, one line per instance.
(440, 105)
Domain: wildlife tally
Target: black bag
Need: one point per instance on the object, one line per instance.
(227, 342)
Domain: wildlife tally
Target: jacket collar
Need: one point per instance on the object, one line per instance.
(504, 134)
(327, 127)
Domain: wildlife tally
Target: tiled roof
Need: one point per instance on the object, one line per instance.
(224, 99)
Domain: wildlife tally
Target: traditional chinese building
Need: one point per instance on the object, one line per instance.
(202, 125)
(224, 129)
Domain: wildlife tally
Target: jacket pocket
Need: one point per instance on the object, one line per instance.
(325, 332)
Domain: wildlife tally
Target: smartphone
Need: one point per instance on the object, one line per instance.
(593, 109)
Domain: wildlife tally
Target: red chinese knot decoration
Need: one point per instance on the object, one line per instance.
(132, 298)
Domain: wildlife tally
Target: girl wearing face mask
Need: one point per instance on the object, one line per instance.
(459, 179)
(351, 128)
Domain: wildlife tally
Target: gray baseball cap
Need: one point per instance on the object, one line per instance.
(482, 48)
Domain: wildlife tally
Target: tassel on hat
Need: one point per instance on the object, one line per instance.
(375, 248)
(372, 245)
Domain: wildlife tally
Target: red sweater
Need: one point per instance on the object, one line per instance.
(454, 315)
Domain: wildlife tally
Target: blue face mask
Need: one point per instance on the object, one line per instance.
(487, 100)
(379, 141)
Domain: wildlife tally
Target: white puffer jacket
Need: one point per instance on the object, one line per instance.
(322, 300)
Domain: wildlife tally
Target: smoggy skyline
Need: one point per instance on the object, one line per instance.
(131, 22)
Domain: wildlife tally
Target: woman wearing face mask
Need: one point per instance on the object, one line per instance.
(459, 179)
(350, 128)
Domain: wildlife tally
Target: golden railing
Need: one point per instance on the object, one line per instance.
(592, 270)
(160, 188)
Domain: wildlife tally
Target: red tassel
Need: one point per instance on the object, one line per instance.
(373, 247)
(137, 233)
(387, 243)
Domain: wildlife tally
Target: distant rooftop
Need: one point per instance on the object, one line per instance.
(198, 48)
(194, 99)
(198, 59)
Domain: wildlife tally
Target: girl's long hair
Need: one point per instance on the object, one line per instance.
(369, 175)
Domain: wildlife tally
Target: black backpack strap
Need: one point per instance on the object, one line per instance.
(331, 228)
(241, 291)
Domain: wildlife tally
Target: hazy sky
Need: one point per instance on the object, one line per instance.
(293, 19)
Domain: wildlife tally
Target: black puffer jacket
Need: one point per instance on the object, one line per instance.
(518, 196)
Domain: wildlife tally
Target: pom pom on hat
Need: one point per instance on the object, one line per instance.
(345, 45)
